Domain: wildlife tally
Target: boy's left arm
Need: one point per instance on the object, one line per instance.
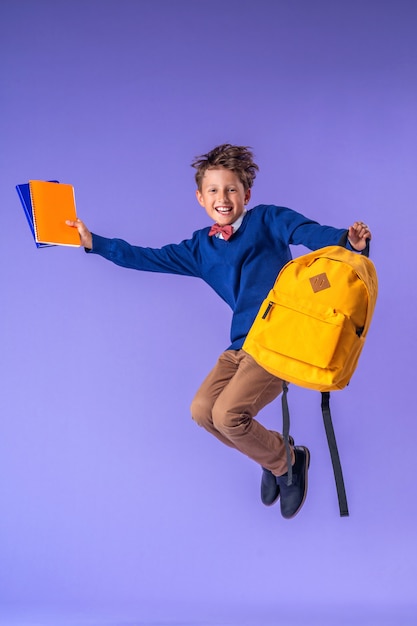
(358, 234)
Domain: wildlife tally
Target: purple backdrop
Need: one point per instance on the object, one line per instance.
(115, 507)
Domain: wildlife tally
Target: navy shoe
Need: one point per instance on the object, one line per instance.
(294, 495)
(269, 484)
(269, 487)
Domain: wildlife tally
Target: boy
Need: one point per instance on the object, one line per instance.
(239, 257)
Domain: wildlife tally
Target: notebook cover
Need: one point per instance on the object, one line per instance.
(24, 195)
(52, 205)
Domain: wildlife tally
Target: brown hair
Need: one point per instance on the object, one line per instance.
(238, 159)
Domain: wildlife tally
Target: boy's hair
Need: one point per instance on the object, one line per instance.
(238, 159)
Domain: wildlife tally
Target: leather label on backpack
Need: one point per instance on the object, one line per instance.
(319, 282)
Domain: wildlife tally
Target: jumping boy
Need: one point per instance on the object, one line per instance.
(240, 257)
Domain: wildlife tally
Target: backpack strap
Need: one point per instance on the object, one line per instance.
(286, 429)
(343, 241)
(331, 440)
(334, 454)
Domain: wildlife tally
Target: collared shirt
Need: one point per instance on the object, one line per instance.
(236, 225)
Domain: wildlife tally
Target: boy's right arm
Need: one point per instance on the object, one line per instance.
(182, 258)
(86, 238)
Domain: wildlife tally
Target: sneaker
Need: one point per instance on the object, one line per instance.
(294, 495)
(269, 484)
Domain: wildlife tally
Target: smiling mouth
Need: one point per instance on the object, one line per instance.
(224, 210)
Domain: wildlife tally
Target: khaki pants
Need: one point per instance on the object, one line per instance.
(231, 396)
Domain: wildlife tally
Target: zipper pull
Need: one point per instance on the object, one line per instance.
(268, 308)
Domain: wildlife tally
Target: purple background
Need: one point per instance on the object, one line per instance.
(115, 507)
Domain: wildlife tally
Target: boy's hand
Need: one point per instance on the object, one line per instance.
(358, 234)
(86, 238)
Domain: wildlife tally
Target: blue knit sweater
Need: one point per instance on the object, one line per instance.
(241, 270)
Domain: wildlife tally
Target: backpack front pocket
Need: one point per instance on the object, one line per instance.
(310, 336)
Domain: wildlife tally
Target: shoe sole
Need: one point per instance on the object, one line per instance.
(307, 453)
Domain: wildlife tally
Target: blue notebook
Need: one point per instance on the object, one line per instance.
(25, 199)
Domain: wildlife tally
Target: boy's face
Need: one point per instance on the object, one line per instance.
(222, 195)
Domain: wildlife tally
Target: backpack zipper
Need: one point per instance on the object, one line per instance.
(268, 308)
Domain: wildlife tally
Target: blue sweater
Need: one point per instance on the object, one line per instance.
(241, 270)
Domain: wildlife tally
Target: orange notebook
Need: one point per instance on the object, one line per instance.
(52, 204)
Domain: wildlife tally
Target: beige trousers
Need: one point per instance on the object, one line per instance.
(230, 397)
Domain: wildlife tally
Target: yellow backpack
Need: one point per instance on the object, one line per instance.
(311, 328)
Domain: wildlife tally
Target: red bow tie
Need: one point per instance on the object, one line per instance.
(226, 231)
